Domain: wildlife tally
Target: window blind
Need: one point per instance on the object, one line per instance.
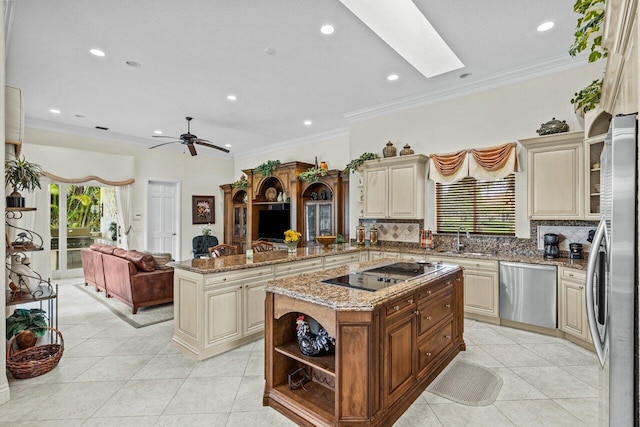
(482, 207)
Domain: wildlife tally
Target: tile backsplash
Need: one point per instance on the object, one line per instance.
(568, 234)
(395, 231)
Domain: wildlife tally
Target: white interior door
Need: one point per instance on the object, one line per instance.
(162, 232)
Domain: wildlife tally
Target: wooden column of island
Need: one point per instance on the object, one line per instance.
(390, 344)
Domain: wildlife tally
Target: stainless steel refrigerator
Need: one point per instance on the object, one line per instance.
(612, 282)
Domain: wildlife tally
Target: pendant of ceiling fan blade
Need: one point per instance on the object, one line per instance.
(192, 149)
(164, 136)
(207, 144)
(165, 143)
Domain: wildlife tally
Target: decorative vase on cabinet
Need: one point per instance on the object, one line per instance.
(389, 150)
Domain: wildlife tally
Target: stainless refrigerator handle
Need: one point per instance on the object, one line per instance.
(598, 343)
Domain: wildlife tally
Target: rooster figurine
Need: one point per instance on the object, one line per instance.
(313, 344)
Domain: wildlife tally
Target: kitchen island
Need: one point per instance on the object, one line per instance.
(219, 302)
(389, 345)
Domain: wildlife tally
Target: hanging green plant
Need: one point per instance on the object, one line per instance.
(312, 174)
(354, 164)
(267, 167)
(589, 97)
(589, 28)
(588, 34)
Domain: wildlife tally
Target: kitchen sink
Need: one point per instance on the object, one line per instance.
(466, 253)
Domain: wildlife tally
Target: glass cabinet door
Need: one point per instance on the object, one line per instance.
(310, 222)
(324, 220)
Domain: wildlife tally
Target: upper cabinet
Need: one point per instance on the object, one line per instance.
(555, 170)
(592, 150)
(394, 187)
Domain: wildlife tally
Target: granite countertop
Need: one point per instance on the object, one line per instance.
(238, 262)
(309, 287)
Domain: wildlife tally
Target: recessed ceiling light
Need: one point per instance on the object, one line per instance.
(465, 75)
(392, 77)
(227, 145)
(403, 27)
(231, 97)
(270, 51)
(307, 123)
(546, 26)
(327, 29)
(157, 132)
(134, 64)
(97, 52)
(54, 110)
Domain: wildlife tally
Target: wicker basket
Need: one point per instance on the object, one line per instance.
(34, 361)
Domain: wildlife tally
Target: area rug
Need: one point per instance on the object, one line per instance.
(467, 384)
(146, 316)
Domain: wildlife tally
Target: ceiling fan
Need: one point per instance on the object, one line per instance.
(189, 139)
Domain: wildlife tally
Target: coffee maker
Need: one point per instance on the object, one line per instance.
(551, 249)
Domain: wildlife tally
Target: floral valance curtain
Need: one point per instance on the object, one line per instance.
(486, 164)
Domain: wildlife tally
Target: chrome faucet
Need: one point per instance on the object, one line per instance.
(459, 245)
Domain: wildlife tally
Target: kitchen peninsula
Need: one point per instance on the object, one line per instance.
(389, 344)
(219, 302)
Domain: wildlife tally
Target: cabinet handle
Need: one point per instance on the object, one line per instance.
(570, 274)
(458, 279)
(396, 308)
(428, 354)
(477, 265)
(417, 312)
(410, 301)
(580, 287)
(448, 305)
(427, 317)
(448, 337)
(224, 279)
(428, 292)
(448, 282)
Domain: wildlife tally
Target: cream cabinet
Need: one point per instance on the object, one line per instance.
(572, 312)
(223, 318)
(481, 285)
(394, 187)
(253, 295)
(555, 171)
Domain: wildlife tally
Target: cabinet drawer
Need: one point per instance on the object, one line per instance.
(308, 265)
(399, 305)
(469, 263)
(432, 345)
(434, 310)
(413, 257)
(338, 260)
(232, 276)
(427, 291)
(573, 274)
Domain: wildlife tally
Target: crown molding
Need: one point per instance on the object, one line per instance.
(318, 137)
(511, 76)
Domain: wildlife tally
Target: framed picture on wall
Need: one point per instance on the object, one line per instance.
(203, 210)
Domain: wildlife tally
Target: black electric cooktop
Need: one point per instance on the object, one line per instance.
(387, 275)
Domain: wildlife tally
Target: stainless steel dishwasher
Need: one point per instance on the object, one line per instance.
(528, 293)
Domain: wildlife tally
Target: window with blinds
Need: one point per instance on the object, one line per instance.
(483, 207)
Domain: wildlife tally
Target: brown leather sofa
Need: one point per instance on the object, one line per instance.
(128, 275)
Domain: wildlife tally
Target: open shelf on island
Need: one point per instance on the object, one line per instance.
(320, 400)
(326, 364)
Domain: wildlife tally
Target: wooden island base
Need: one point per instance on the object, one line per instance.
(385, 356)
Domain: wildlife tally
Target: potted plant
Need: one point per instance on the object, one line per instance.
(20, 175)
(27, 326)
(240, 184)
(354, 164)
(312, 174)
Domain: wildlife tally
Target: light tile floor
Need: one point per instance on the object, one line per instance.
(114, 375)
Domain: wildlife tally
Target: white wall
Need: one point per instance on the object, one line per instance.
(483, 119)
(199, 175)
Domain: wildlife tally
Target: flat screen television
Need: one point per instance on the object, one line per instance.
(273, 223)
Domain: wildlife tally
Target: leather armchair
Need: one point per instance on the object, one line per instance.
(201, 245)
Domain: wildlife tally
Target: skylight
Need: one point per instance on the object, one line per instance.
(401, 25)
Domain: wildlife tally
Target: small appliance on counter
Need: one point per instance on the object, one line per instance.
(551, 249)
(575, 250)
